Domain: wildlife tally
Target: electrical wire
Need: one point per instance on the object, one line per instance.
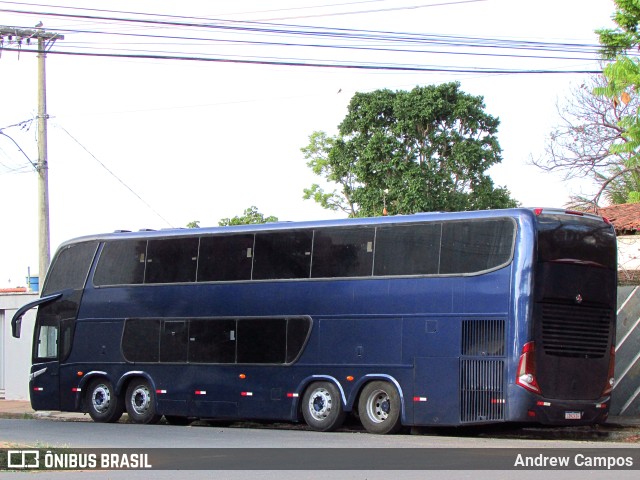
(122, 182)
(33, 164)
(321, 46)
(261, 28)
(284, 63)
(342, 45)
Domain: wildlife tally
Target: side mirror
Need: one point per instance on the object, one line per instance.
(16, 321)
(16, 327)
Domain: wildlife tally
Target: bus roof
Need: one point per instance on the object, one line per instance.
(345, 222)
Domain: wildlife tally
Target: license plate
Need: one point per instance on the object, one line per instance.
(572, 415)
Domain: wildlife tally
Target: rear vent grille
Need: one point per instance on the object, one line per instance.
(571, 330)
(481, 390)
(483, 338)
(482, 396)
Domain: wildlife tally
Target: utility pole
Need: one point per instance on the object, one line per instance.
(45, 40)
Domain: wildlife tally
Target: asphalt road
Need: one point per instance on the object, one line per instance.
(40, 433)
(87, 434)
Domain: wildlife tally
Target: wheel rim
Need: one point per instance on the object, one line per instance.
(101, 398)
(320, 404)
(378, 406)
(141, 400)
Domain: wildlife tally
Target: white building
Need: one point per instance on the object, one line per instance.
(626, 220)
(15, 353)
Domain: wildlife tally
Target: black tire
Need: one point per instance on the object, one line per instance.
(322, 407)
(140, 402)
(380, 408)
(102, 403)
(177, 420)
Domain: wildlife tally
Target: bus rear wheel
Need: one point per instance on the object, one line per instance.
(102, 403)
(322, 407)
(379, 408)
(141, 402)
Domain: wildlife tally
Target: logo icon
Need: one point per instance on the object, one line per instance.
(23, 459)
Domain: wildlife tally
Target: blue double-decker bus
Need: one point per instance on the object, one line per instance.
(420, 320)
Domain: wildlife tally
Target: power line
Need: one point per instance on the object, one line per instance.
(321, 32)
(177, 16)
(321, 38)
(338, 47)
(380, 10)
(355, 66)
(33, 164)
(115, 176)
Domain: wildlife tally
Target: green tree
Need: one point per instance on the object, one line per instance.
(625, 188)
(194, 224)
(623, 76)
(423, 150)
(249, 217)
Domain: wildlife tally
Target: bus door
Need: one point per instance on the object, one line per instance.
(52, 339)
(44, 378)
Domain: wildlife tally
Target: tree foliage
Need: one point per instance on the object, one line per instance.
(623, 83)
(249, 217)
(585, 142)
(423, 150)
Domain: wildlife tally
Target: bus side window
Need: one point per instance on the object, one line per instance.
(121, 262)
(262, 340)
(282, 255)
(47, 343)
(297, 333)
(66, 337)
(172, 261)
(408, 250)
(173, 341)
(343, 252)
(225, 258)
(141, 340)
(212, 341)
(474, 246)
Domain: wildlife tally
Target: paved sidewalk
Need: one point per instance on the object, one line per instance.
(22, 409)
(15, 407)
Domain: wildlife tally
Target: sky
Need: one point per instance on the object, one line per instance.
(137, 143)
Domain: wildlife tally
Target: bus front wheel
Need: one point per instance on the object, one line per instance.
(141, 403)
(102, 403)
(379, 408)
(322, 407)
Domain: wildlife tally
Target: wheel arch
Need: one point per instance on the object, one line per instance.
(371, 377)
(296, 407)
(84, 383)
(121, 385)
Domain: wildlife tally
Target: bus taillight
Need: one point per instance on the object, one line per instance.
(610, 376)
(526, 376)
